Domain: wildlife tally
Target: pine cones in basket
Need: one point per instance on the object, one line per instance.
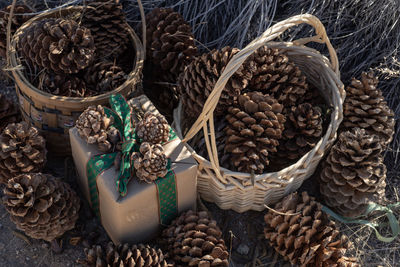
(40, 205)
(22, 150)
(353, 173)
(153, 128)
(303, 234)
(8, 112)
(63, 85)
(193, 239)
(104, 77)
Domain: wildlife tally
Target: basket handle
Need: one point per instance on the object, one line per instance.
(143, 17)
(238, 59)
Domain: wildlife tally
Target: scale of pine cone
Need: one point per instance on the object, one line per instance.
(124, 255)
(59, 45)
(63, 85)
(22, 150)
(303, 234)
(193, 239)
(366, 108)
(104, 77)
(353, 173)
(8, 113)
(42, 206)
(255, 125)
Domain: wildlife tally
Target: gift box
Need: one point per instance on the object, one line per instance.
(138, 214)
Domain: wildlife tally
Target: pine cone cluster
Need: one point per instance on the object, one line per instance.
(22, 150)
(63, 85)
(304, 235)
(353, 173)
(8, 112)
(40, 205)
(124, 255)
(104, 76)
(95, 127)
(193, 239)
(153, 128)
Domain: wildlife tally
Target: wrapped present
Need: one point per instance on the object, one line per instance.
(131, 210)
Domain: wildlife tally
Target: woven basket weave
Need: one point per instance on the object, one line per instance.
(55, 115)
(242, 191)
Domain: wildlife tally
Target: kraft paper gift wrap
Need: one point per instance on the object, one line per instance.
(135, 217)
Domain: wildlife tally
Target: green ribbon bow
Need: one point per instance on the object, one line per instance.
(166, 186)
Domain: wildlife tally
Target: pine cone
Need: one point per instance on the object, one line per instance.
(306, 236)
(255, 125)
(40, 205)
(366, 108)
(104, 77)
(23, 150)
(17, 21)
(124, 255)
(193, 239)
(150, 163)
(63, 85)
(277, 76)
(201, 75)
(95, 127)
(60, 45)
(353, 173)
(170, 45)
(153, 128)
(107, 23)
(8, 112)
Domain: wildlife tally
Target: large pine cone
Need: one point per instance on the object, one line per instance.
(42, 206)
(353, 173)
(201, 75)
(17, 21)
(107, 23)
(124, 255)
(170, 45)
(8, 113)
(366, 108)
(63, 85)
(193, 239)
(153, 128)
(255, 125)
(277, 76)
(306, 236)
(95, 127)
(60, 45)
(23, 150)
(150, 162)
(104, 77)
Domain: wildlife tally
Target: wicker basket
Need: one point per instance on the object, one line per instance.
(54, 115)
(243, 191)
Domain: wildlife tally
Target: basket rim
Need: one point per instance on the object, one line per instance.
(17, 72)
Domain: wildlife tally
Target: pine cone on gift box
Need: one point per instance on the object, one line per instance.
(59, 45)
(353, 173)
(107, 23)
(255, 125)
(194, 239)
(303, 234)
(42, 206)
(17, 20)
(124, 255)
(8, 112)
(22, 150)
(95, 127)
(104, 77)
(150, 162)
(153, 128)
(63, 85)
(366, 108)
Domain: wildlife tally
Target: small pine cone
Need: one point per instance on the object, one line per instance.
(124, 255)
(366, 108)
(95, 127)
(353, 173)
(150, 163)
(17, 21)
(9, 113)
(305, 236)
(60, 45)
(22, 150)
(153, 128)
(194, 239)
(105, 77)
(170, 46)
(255, 125)
(63, 85)
(200, 76)
(107, 23)
(277, 76)
(42, 206)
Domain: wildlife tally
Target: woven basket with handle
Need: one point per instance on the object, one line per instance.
(55, 115)
(243, 191)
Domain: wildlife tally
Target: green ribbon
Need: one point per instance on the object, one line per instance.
(166, 186)
(393, 222)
